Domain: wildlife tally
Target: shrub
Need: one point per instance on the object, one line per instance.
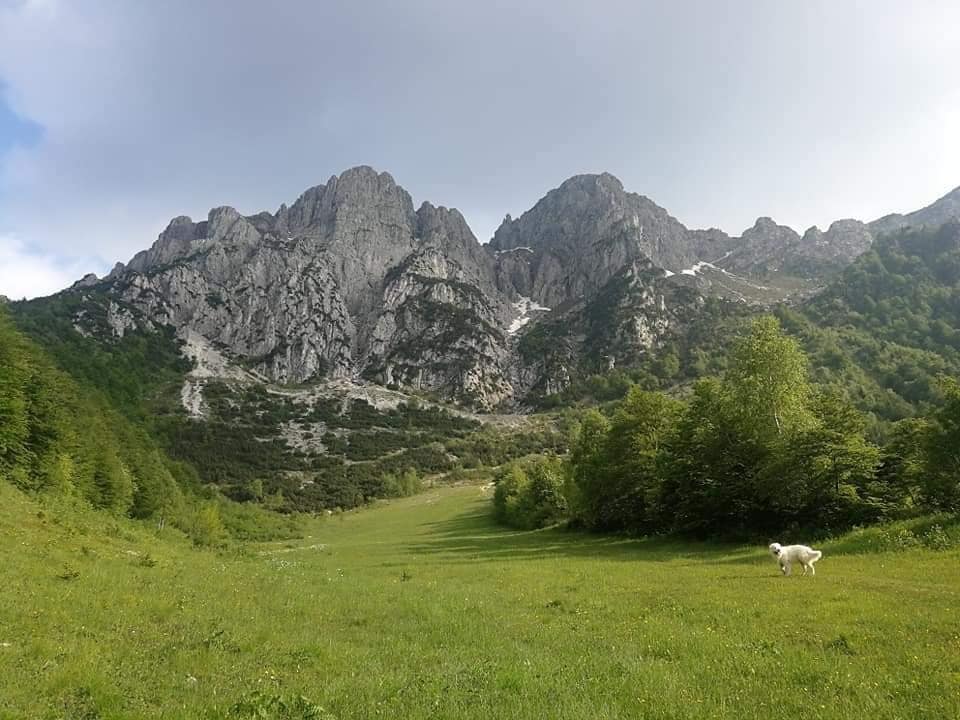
(207, 528)
(406, 483)
(936, 538)
(529, 493)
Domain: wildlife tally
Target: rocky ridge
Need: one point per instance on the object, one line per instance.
(352, 282)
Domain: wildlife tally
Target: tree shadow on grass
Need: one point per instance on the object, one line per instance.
(474, 535)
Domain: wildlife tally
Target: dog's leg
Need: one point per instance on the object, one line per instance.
(813, 570)
(804, 566)
(786, 569)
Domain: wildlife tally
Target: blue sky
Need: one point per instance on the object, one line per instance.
(133, 112)
(15, 130)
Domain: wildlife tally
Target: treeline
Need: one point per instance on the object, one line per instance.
(132, 372)
(53, 435)
(756, 451)
(58, 436)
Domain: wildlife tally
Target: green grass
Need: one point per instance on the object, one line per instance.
(422, 608)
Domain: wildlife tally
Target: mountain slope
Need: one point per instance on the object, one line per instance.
(584, 232)
(937, 213)
(57, 435)
(350, 282)
(882, 333)
(894, 315)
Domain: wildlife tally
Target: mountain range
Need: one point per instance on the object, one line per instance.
(352, 282)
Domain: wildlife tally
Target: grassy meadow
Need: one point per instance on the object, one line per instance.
(424, 608)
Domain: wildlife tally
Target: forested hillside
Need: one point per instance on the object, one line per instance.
(757, 450)
(132, 368)
(56, 434)
(888, 328)
(66, 437)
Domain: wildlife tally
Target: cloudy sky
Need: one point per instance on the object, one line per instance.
(116, 115)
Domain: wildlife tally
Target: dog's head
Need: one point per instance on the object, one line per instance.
(775, 549)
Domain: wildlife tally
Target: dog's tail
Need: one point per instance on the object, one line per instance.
(816, 555)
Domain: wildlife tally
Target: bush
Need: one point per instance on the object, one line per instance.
(207, 529)
(936, 538)
(529, 493)
(406, 483)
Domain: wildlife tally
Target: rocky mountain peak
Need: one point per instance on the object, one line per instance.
(176, 241)
(351, 281)
(305, 210)
(450, 223)
(760, 249)
(88, 280)
(820, 252)
(580, 234)
(592, 184)
(358, 196)
(224, 222)
(768, 226)
(445, 237)
(181, 221)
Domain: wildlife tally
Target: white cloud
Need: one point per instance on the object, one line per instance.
(804, 111)
(26, 274)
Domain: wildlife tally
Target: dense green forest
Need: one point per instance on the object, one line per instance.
(55, 434)
(759, 449)
(134, 372)
(886, 331)
(62, 436)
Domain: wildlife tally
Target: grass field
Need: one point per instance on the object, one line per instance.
(422, 608)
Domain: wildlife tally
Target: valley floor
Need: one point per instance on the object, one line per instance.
(423, 608)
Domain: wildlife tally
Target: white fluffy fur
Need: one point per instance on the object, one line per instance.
(788, 554)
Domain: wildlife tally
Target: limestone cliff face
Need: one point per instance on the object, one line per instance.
(271, 300)
(352, 282)
(348, 281)
(583, 233)
(441, 324)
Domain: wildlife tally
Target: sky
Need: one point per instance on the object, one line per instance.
(116, 115)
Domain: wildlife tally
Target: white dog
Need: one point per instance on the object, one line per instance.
(788, 554)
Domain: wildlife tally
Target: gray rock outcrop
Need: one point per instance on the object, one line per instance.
(351, 282)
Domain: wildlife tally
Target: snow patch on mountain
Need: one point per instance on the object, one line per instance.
(524, 306)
